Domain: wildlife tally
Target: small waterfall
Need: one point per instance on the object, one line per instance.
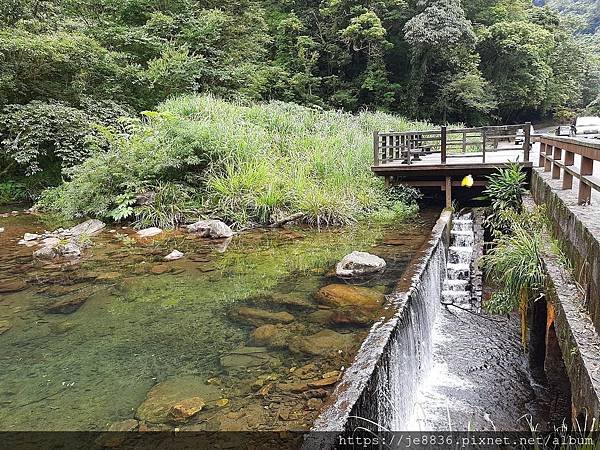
(457, 288)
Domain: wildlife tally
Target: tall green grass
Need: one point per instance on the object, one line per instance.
(243, 163)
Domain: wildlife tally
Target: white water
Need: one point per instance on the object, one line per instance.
(456, 289)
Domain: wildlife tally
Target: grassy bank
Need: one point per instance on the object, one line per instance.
(244, 164)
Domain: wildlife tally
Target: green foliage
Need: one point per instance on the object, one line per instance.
(170, 206)
(245, 163)
(505, 189)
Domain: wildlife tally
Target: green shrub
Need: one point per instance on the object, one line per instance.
(505, 190)
(247, 163)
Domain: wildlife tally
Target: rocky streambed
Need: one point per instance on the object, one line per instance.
(185, 330)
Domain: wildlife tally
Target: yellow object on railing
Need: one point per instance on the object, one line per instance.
(467, 181)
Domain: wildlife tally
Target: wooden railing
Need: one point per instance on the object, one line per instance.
(557, 154)
(409, 147)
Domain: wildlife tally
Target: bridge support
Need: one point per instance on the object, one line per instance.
(448, 192)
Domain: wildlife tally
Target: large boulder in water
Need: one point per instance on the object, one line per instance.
(358, 264)
(211, 228)
(348, 296)
(89, 227)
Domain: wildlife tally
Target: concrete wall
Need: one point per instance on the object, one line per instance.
(574, 309)
(579, 232)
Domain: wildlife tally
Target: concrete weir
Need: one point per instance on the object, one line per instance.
(378, 390)
(574, 308)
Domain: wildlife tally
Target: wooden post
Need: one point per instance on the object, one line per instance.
(548, 162)
(542, 151)
(375, 148)
(443, 138)
(567, 177)
(483, 139)
(557, 156)
(448, 192)
(585, 190)
(527, 141)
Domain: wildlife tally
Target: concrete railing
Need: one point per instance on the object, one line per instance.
(557, 154)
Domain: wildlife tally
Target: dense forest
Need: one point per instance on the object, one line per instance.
(71, 72)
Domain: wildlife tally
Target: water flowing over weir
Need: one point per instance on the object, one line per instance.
(379, 390)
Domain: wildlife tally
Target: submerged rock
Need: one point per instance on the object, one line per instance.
(245, 357)
(322, 343)
(1, 229)
(211, 228)
(176, 399)
(175, 254)
(124, 425)
(185, 409)
(274, 336)
(358, 264)
(5, 325)
(344, 295)
(149, 232)
(9, 286)
(89, 227)
(159, 269)
(67, 306)
(258, 317)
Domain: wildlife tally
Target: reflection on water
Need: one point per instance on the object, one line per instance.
(225, 338)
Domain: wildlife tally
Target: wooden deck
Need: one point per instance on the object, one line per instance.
(442, 158)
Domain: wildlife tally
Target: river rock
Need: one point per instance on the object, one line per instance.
(291, 300)
(345, 295)
(5, 325)
(258, 317)
(273, 336)
(210, 228)
(124, 425)
(46, 252)
(175, 254)
(89, 227)
(69, 250)
(50, 242)
(159, 269)
(67, 306)
(322, 343)
(175, 399)
(320, 316)
(9, 286)
(358, 264)
(149, 232)
(31, 236)
(350, 317)
(1, 229)
(246, 357)
(185, 409)
(324, 382)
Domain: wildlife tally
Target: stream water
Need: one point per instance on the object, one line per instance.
(142, 333)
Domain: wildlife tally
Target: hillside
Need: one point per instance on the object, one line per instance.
(587, 11)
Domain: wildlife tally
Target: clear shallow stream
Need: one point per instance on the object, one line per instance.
(149, 329)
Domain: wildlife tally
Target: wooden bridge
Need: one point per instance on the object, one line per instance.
(442, 158)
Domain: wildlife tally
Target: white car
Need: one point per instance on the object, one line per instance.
(587, 125)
